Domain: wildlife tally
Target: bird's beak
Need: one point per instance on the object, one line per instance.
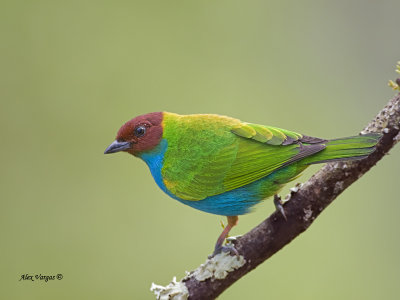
(117, 146)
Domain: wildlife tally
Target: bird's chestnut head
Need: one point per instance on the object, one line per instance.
(140, 134)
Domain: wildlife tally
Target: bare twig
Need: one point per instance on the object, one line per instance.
(275, 232)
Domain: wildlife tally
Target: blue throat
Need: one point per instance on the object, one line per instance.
(231, 203)
(154, 159)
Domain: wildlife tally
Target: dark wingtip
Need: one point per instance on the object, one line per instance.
(288, 141)
(312, 140)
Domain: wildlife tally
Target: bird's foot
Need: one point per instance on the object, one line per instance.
(232, 221)
(279, 206)
(229, 248)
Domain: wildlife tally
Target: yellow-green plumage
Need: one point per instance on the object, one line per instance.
(225, 166)
(209, 157)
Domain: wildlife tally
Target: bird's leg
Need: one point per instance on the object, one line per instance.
(279, 206)
(232, 221)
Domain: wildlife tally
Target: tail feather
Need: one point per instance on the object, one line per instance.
(350, 148)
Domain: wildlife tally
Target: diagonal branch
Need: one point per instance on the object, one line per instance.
(274, 233)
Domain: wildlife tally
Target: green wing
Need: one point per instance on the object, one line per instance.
(265, 150)
(247, 152)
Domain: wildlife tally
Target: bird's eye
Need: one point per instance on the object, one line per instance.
(140, 131)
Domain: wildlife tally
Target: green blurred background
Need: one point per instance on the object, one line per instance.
(73, 71)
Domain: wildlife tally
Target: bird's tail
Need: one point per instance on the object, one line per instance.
(349, 148)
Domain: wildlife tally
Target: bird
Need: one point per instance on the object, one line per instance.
(223, 166)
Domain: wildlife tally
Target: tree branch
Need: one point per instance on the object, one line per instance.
(306, 203)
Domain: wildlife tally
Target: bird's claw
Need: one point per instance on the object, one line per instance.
(227, 248)
(279, 206)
